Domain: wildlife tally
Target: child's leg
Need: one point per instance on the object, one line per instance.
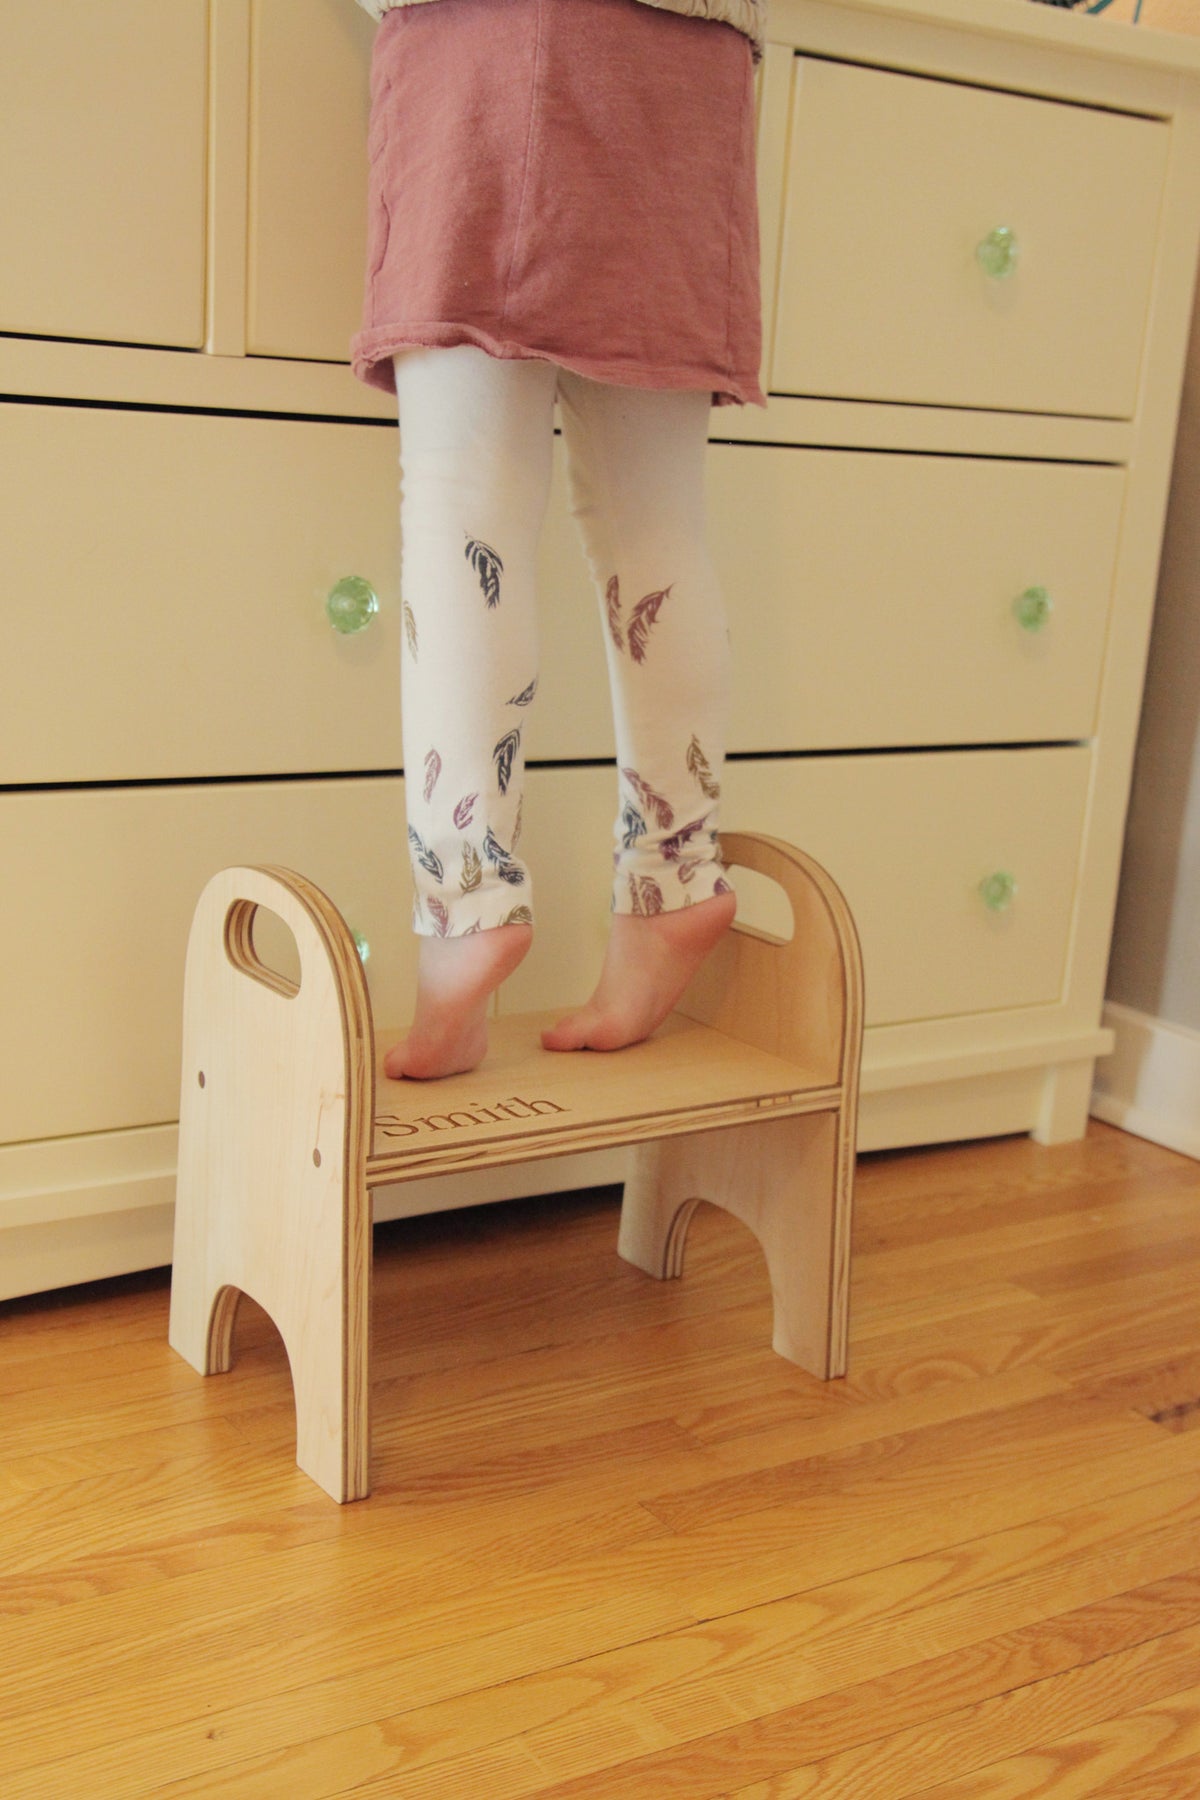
(476, 438)
(636, 464)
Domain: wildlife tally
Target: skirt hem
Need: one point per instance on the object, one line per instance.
(371, 355)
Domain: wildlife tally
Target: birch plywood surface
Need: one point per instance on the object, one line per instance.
(524, 1102)
(616, 1548)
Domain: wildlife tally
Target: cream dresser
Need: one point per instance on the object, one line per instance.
(939, 545)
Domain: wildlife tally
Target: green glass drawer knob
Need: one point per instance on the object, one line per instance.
(998, 890)
(1033, 608)
(351, 605)
(997, 253)
(362, 946)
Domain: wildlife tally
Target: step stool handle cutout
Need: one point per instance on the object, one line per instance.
(763, 907)
(247, 924)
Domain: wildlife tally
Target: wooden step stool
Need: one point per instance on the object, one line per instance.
(747, 1096)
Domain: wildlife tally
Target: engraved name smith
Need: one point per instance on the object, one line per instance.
(388, 1125)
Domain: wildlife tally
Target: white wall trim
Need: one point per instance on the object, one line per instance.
(1150, 1085)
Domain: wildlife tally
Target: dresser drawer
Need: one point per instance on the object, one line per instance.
(165, 580)
(169, 619)
(874, 599)
(97, 891)
(909, 839)
(894, 180)
(103, 137)
(309, 104)
(877, 600)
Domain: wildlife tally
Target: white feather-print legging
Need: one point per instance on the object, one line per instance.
(476, 437)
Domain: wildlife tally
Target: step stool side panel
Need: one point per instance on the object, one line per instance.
(789, 1180)
(272, 1198)
(786, 1180)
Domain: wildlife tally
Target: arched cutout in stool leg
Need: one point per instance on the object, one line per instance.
(781, 1179)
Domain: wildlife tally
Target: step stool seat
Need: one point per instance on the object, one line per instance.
(524, 1103)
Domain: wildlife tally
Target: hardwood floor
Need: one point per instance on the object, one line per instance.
(618, 1550)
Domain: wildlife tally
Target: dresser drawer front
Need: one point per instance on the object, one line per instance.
(877, 600)
(909, 838)
(310, 67)
(873, 601)
(97, 892)
(170, 620)
(102, 167)
(166, 580)
(894, 180)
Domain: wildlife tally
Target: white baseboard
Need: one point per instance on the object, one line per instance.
(1150, 1085)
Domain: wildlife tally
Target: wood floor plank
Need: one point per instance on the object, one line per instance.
(735, 1685)
(1163, 1781)
(881, 1310)
(755, 1447)
(1131, 1326)
(1042, 1778)
(759, 1556)
(1104, 1261)
(957, 1457)
(878, 1624)
(1019, 1252)
(857, 1746)
(204, 1748)
(95, 1316)
(1116, 1757)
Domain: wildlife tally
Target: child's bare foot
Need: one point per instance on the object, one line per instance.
(648, 964)
(456, 977)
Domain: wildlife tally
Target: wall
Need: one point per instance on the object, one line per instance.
(1155, 964)
(1151, 1083)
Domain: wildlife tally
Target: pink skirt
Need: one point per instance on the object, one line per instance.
(565, 179)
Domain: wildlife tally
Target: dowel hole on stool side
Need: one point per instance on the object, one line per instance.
(261, 945)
